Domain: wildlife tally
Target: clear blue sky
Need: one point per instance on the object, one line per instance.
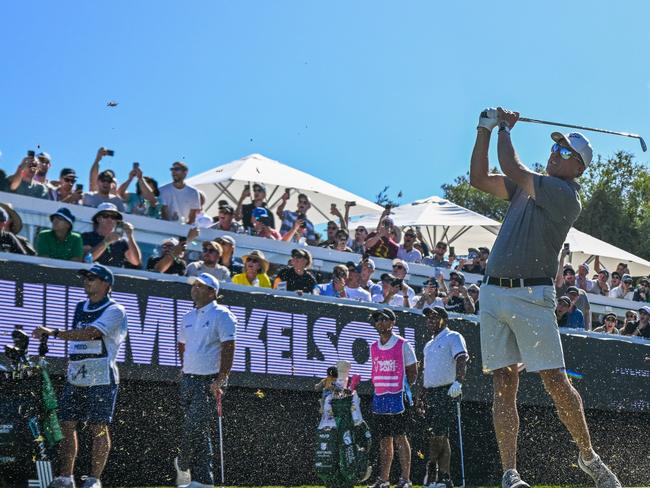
(362, 94)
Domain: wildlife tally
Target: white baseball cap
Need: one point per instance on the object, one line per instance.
(208, 280)
(577, 142)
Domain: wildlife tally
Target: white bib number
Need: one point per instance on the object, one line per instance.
(89, 372)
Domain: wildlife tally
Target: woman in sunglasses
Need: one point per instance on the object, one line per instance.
(255, 271)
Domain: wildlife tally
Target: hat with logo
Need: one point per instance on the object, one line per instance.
(65, 214)
(208, 280)
(99, 271)
(577, 142)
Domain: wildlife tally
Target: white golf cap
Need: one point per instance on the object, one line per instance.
(208, 280)
(577, 142)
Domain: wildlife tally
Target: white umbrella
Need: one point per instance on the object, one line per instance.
(227, 181)
(440, 220)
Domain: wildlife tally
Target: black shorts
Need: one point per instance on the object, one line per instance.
(440, 411)
(385, 425)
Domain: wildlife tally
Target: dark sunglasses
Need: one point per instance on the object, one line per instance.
(630, 316)
(472, 291)
(69, 180)
(90, 278)
(398, 266)
(210, 249)
(252, 261)
(105, 180)
(109, 216)
(257, 190)
(176, 168)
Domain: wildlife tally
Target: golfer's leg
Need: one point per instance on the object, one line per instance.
(444, 456)
(187, 441)
(434, 452)
(505, 415)
(569, 408)
(68, 447)
(101, 448)
(203, 455)
(404, 453)
(385, 457)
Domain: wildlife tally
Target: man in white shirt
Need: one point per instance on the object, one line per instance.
(406, 251)
(625, 290)
(445, 364)
(206, 345)
(353, 288)
(582, 279)
(180, 202)
(212, 252)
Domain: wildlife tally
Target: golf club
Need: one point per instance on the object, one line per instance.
(604, 131)
(219, 414)
(460, 444)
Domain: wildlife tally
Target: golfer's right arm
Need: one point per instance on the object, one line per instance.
(479, 172)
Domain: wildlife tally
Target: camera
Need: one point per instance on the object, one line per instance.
(31, 154)
(397, 283)
(303, 217)
(110, 152)
(79, 187)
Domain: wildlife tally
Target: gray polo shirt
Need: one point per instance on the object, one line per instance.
(534, 230)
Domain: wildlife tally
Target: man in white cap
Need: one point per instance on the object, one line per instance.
(206, 345)
(518, 323)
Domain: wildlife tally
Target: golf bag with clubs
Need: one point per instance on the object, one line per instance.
(342, 443)
(30, 426)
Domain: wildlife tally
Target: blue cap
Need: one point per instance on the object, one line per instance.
(65, 214)
(260, 212)
(208, 280)
(100, 271)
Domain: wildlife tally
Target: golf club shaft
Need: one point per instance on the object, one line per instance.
(460, 444)
(223, 482)
(593, 129)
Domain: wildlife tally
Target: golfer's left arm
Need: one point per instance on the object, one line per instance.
(509, 161)
(85, 334)
(461, 367)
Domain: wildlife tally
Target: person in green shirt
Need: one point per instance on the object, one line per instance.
(60, 242)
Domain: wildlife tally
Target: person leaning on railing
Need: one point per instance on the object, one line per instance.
(256, 267)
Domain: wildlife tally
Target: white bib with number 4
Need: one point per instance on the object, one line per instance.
(89, 372)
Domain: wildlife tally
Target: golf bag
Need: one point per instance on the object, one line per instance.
(342, 443)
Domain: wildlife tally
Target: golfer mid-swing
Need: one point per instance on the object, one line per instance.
(518, 324)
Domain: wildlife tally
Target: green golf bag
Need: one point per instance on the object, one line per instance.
(342, 451)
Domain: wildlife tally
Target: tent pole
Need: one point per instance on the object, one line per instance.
(327, 217)
(277, 202)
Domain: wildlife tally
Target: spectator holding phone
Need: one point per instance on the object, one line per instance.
(336, 287)
(44, 165)
(380, 243)
(264, 224)
(171, 260)
(601, 287)
(102, 185)
(66, 190)
(642, 292)
(289, 218)
(341, 241)
(145, 199)
(180, 202)
(106, 243)
(429, 295)
(22, 182)
(244, 212)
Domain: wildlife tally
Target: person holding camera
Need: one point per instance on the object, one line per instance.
(642, 292)
(445, 365)
(99, 327)
(102, 185)
(22, 182)
(63, 191)
(288, 217)
(429, 296)
(380, 243)
(111, 241)
(244, 212)
(145, 199)
(336, 287)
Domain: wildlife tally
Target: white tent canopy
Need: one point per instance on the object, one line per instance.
(227, 181)
(440, 220)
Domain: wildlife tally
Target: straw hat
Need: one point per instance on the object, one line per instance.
(16, 221)
(259, 255)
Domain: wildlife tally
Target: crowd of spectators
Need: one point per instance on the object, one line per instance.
(112, 242)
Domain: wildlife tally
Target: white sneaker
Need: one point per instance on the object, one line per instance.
(511, 479)
(600, 473)
(90, 482)
(61, 482)
(183, 478)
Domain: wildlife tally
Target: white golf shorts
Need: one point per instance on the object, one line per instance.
(518, 325)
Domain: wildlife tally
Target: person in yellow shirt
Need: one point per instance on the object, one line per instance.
(255, 272)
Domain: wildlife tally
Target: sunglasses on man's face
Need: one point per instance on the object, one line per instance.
(176, 168)
(210, 250)
(69, 180)
(565, 152)
(398, 266)
(90, 278)
(329, 227)
(610, 319)
(257, 190)
(106, 180)
(252, 261)
(630, 316)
